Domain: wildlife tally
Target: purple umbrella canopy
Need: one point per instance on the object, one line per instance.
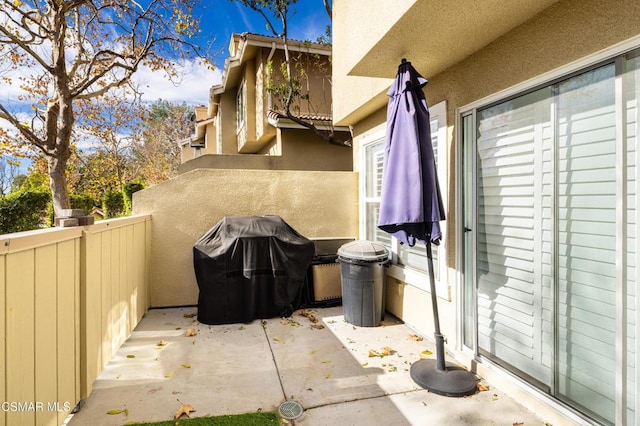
(411, 209)
(410, 204)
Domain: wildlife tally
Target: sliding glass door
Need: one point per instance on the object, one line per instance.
(550, 212)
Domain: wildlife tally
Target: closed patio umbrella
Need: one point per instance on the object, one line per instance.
(411, 208)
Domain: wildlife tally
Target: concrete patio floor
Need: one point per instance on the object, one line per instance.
(238, 368)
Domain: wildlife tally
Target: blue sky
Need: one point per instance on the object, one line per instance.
(222, 17)
(218, 20)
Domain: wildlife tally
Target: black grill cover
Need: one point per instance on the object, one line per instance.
(250, 267)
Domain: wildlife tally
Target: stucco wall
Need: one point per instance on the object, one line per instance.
(228, 130)
(564, 33)
(296, 150)
(357, 26)
(316, 204)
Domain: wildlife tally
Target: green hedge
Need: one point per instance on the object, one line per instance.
(82, 201)
(112, 204)
(23, 211)
(127, 194)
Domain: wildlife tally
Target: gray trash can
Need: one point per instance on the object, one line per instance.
(362, 275)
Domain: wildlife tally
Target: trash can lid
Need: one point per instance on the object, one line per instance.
(367, 251)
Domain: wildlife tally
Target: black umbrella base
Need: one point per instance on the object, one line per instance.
(453, 381)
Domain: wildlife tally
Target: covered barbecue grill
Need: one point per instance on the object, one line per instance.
(250, 267)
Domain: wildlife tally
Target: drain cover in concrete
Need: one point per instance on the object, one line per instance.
(290, 410)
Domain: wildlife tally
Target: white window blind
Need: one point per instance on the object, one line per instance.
(586, 132)
(550, 271)
(513, 185)
(374, 157)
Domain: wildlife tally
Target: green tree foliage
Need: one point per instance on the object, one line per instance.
(34, 181)
(23, 211)
(113, 204)
(127, 194)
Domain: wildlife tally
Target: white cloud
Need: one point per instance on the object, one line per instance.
(193, 88)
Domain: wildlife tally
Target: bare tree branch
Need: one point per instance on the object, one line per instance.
(328, 8)
(25, 132)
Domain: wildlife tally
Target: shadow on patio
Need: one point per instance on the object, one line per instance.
(239, 368)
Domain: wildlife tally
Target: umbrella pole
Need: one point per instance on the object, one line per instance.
(436, 375)
(439, 338)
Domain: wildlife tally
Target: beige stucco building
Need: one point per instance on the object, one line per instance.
(534, 109)
(245, 125)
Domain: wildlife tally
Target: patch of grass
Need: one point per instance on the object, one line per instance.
(249, 419)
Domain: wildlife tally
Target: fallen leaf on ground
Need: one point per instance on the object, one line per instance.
(416, 337)
(518, 424)
(162, 343)
(386, 351)
(277, 339)
(131, 356)
(291, 322)
(364, 364)
(189, 315)
(482, 388)
(184, 409)
(425, 354)
(186, 365)
(317, 326)
(190, 332)
(309, 316)
(168, 376)
(118, 376)
(118, 411)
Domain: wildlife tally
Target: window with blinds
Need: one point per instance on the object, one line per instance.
(513, 187)
(374, 157)
(555, 239)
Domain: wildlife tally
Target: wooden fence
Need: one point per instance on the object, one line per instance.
(69, 298)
